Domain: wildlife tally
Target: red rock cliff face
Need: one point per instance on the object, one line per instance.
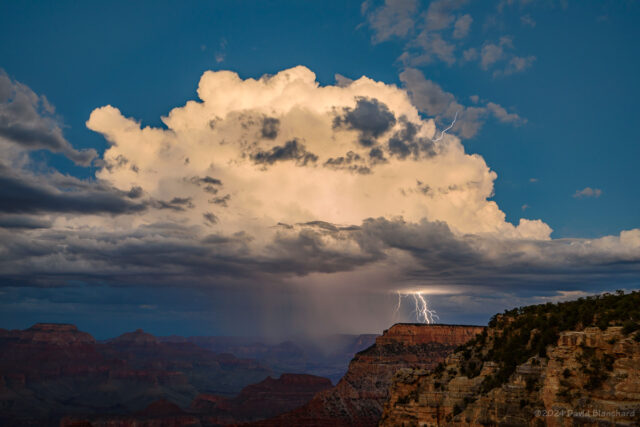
(410, 334)
(358, 399)
(556, 390)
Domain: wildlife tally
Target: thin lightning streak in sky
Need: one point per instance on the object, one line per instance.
(447, 129)
(417, 310)
(395, 312)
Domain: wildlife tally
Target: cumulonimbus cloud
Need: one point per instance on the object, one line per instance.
(282, 179)
(304, 170)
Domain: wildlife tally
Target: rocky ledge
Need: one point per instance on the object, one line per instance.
(358, 398)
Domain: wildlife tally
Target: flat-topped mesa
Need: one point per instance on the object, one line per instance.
(137, 337)
(409, 334)
(53, 333)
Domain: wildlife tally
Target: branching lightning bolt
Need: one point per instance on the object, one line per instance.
(447, 129)
(422, 311)
(423, 314)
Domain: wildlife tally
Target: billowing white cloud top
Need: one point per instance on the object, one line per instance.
(283, 149)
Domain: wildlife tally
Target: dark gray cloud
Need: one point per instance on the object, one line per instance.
(135, 192)
(371, 118)
(347, 159)
(430, 242)
(210, 218)
(501, 265)
(167, 253)
(222, 201)
(211, 185)
(307, 250)
(209, 180)
(291, 150)
(479, 274)
(405, 142)
(211, 189)
(427, 95)
(434, 101)
(27, 121)
(270, 127)
(377, 156)
(160, 253)
(55, 193)
(205, 180)
(171, 253)
(351, 161)
(181, 201)
(24, 221)
(119, 162)
(176, 204)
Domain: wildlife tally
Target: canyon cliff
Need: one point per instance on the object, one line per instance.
(358, 398)
(574, 363)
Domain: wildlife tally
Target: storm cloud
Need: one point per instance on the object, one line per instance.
(270, 126)
(370, 118)
(434, 101)
(349, 195)
(22, 193)
(405, 142)
(291, 150)
(28, 120)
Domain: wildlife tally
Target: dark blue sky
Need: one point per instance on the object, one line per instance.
(576, 98)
